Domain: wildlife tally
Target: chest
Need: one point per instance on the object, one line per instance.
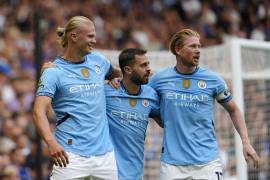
(81, 81)
(130, 104)
(129, 108)
(188, 85)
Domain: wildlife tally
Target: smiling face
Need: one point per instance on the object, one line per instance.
(84, 38)
(87, 37)
(189, 53)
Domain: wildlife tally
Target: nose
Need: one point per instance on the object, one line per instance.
(148, 69)
(197, 50)
(93, 41)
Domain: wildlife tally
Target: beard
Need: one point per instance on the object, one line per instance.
(190, 62)
(138, 80)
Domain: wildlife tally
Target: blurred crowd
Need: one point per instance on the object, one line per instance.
(147, 24)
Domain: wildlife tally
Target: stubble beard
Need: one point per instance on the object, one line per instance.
(138, 80)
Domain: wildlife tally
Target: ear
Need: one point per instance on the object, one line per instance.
(178, 50)
(127, 69)
(73, 36)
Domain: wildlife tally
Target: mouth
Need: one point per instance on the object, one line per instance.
(90, 46)
(146, 78)
(196, 58)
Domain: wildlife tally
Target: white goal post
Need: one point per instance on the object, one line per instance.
(238, 74)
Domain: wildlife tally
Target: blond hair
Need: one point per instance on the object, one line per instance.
(178, 38)
(73, 23)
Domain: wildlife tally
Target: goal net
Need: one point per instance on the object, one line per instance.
(245, 66)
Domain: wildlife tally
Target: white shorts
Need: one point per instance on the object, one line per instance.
(92, 168)
(209, 171)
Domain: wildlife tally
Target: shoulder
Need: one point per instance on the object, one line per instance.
(96, 55)
(209, 73)
(108, 87)
(161, 76)
(162, 73)
(49, 72)
(98, 60)
(149, 91)
(109, 90)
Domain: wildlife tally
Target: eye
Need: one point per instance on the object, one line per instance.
(91, 35)
(145, 64)
(195, 46)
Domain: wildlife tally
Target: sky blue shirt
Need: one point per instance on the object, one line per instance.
(128, 120)
(78, 99)
(187, 110)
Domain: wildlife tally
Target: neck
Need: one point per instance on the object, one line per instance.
(130, 87)
(182, 68)
(72, 56)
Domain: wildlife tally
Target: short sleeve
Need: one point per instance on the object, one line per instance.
(109, 72)
(107, 65)
(223, 94)
(47, 83)
(152, 81)
(155, 109)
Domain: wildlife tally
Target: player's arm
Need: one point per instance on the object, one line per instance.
(159, 121)
(114, 78)
(41, 105)
(47, 65)
(116, 73)
(241, 128)
(155, 112)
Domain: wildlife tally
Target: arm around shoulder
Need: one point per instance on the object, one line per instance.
(116, 73)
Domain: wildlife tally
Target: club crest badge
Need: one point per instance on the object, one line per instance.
(132, 102)
(85, 73)
(202, 84)
(97, 69)
(186, 83)
(145, 103)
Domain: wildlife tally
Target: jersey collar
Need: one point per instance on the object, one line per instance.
(123, 87)
(70, 62)
(197, 68)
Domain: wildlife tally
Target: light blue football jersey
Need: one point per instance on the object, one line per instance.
(187, 110)
(128, 120)
(78, 99)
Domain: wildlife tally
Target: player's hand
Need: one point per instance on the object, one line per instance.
(47, 65)
(57, 152)
(115, 82)
(250, 153)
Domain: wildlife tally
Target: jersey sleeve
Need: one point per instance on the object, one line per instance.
(155, 110)
(110, 71)
(108, 66)
(155, 106)
(223, 94)
(47, 84)
(152, 81)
